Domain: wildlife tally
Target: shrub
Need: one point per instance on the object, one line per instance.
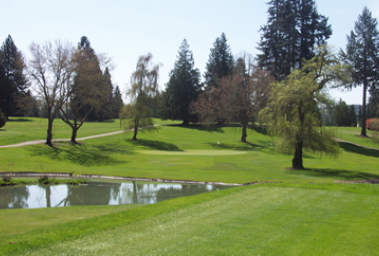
(373, 124)
(43, 180)
(6, 177)
(3, 119)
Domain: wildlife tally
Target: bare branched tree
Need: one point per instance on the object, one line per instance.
(237, 98)
(50, 68)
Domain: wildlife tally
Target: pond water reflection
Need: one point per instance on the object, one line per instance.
(96, 193)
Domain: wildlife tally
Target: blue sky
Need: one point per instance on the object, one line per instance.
(127, 29)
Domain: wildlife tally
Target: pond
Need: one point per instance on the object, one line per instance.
(97, 193)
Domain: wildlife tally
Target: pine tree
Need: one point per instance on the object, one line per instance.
(117, 102)
(106, 106)
(362, 53)
(293, 29)
(183, 86)
(13, 83)
(220, 63)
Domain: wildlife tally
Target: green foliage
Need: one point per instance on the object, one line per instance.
(6, 177)
(183, 86)
(134, 115)
(13, 82)
(3, 119)
(43, 180)
(220, 63)
(293, 110)
(142, 92)
(362, 53)
(292, 31)
(117, 102)
(345, 115)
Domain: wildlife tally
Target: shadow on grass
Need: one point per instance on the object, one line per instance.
(259, 129)
(154, 144)
(359, 150)
(20, 120)
(334, 173)
(98, 155)
(3, 130)
(242, 146)
(199, 127)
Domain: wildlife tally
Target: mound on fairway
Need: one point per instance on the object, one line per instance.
(193, 152)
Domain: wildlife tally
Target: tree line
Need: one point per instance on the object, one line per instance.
(284, 86)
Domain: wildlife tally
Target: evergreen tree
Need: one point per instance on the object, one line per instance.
(362, 53)
(117, 102)
(106, 107)
(101, 84)
(345, 115)
(293, 29)
(84, 92)
(183, 86)
(13, 83)
(352, 116)
(220, 63)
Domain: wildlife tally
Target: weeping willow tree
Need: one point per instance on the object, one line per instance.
(144, 88)
(293, 112)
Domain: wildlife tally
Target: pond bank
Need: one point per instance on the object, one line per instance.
(95, 176)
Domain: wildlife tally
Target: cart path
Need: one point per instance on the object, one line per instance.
(34, 142)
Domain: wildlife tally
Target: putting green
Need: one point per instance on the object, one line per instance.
(193, 152)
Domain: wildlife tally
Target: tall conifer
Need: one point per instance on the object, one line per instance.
(183, 86)
(362, 53)
(293, 29)
(13, 83)
(220, 63)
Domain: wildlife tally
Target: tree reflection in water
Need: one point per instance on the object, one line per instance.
(96, 193)
(14, 197)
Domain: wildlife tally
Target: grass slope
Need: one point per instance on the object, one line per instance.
(351, 134)
(272, 219)
(17, 221)
(118, 155)
(28, 129)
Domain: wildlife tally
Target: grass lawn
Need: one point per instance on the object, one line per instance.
(267, 219)
(190, 154)
(18, 221)
(28, 129)
(351, 134)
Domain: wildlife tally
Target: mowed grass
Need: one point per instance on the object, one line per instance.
(17, 221)
(193, 153)
(268, 219)
(352, 134)
(29, 129)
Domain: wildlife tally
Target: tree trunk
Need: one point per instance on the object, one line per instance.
(47, 195)
(244, 134)
(49, 132)
(185, 121)
(297, 161)
(363, 130)
(135, 129)
(74, 134)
